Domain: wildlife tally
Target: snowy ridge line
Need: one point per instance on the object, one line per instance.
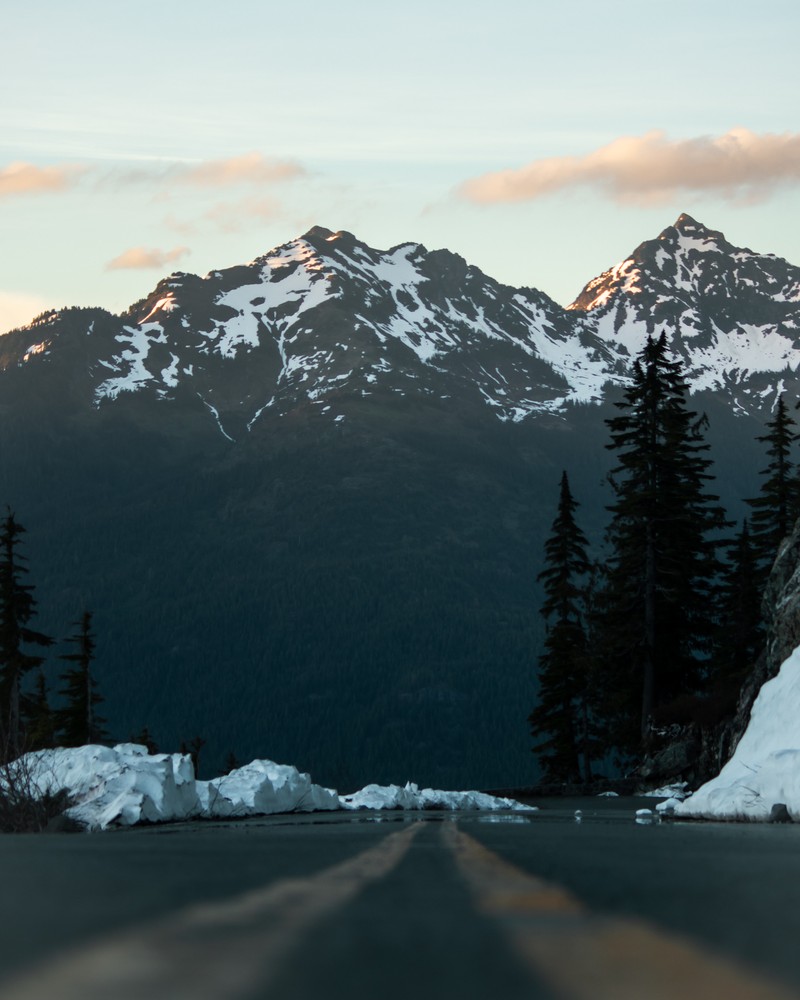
(323, 309)
(125, 785)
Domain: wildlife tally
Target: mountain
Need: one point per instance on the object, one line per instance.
(733, 316)
(306, 497)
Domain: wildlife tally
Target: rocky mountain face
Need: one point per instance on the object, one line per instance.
(782, 614)
(732, 315)
(306, 497)
(325, 317)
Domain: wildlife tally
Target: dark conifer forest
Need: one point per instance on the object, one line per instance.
(663, 628)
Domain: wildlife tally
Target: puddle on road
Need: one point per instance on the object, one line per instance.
(503, 819)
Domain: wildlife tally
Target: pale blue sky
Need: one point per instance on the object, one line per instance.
(375, 115)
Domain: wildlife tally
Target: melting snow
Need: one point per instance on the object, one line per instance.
(765, 769)
(166, 304)
(124, 785)
(140, 340)
(35, 349)
(215, 412)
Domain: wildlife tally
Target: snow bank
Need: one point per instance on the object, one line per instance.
(412, 797)
(765, 769)
(124, 785)
(679, 790)
(262, 787)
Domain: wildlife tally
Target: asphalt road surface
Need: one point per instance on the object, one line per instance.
(397, 905)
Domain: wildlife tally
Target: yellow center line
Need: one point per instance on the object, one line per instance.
(587, 956)
(211, 951)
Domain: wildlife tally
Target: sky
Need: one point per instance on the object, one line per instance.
(541, 141)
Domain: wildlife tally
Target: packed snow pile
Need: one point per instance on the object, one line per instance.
(262, 787)
(679, 790)
(124, 785)
(765, 769)
(413, 797)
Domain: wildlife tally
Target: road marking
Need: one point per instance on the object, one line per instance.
(586, 956)
(212, 951)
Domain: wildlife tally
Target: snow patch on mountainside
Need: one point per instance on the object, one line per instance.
(325, 314)
(740, 352)
(131, 362)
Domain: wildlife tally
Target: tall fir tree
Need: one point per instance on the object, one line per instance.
(657, 622)
(775, 509)
(78, 721)
(740, 637)
(17, 610)
(561, 720)
(39, 715)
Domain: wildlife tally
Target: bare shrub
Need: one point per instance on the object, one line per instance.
(29, 804)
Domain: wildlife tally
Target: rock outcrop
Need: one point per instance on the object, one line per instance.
(697, 753)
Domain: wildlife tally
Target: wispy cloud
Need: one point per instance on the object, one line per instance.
(251, 168)
(740, 166)
(26, 178)
(227, 217)
(142, 258)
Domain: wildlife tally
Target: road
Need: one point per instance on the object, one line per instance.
(397, 906)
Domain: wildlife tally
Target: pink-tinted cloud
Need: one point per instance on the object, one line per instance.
(227, 217)
(232, 217)
(26, 178)
(740, 166)
(141, 258)
(250, 168)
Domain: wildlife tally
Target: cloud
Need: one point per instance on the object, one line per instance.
(228, 217)
(25, 178)
(251, 168)
(18, 309)
(739, 166)
(232, 217)
(141, 258)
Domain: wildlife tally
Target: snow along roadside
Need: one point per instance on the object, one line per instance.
(124, 785)
(765, 768)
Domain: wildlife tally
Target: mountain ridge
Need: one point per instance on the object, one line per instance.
(306, 497)
(325, 315)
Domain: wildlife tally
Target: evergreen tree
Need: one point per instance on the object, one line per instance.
(741, 633)
(192, 748)
(145, 739)
(657, 622)
(78, 721)
(17, 609)
(560, 721)
(776, 507)
(40, 718)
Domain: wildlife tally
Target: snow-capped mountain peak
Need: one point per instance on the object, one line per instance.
(325, 319)
(732, 315)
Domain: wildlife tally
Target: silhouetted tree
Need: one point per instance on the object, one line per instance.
(145, 739)
(193, 748)
(775, 509)
(17, 610)
(560, 721)
(78, 721)
(741, 633)
(657, 625)
(40, 719)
